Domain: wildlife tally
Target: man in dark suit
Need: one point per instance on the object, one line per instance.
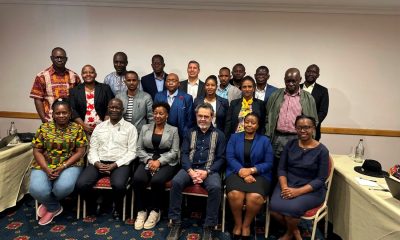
(155, 81)
(193, 86)
(180, 114)
(263, 90)
(320, 94)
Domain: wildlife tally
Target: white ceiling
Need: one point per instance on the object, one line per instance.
(387, 7)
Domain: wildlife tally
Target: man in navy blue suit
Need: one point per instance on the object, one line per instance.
(320, 94)
(155, 81)
(263, 90)
(180, 114)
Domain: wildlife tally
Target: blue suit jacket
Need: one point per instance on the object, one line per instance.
(261, 155)
(149, 85)
(220, 112)
(270, 89)
(180, 115)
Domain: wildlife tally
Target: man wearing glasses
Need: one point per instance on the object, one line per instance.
(283, 106)
(53, 83)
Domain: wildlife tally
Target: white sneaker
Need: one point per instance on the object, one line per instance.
(152, 220)
(139, 222)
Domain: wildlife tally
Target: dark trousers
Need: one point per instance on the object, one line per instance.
(212, 184)
(119, 179)
(143, 178)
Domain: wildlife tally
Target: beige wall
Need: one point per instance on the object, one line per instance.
(358, 54)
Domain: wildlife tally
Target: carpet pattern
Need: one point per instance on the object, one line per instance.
(19, 224)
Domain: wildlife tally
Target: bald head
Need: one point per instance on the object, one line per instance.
(172, 82)
(292, 80)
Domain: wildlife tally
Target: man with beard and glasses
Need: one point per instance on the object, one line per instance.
(202, 156)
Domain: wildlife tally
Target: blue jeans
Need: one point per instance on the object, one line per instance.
(212, 184)
(50, 192)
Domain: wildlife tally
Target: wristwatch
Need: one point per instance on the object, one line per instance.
(65, 165)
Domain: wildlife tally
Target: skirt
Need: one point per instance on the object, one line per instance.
(261, 186)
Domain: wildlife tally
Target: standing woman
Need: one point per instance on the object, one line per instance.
(219, 104)
(249, 158)
(89, 100)
(157, 149)
(58, 148)
(302, 172)
(239, 108)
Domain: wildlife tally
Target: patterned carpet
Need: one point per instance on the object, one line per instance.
(19, 224)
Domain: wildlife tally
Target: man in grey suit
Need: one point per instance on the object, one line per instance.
(226, 90)
(193, 86)
(137, 104)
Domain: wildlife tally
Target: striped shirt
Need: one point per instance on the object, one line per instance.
(129, 110)
(290, 109)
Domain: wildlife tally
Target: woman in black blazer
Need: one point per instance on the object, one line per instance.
(239, 108)
(219, 104)
(89, 100)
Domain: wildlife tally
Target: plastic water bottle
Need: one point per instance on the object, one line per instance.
(12, 130)
(359, 154)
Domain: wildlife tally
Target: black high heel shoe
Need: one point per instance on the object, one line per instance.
(245, 237)
(236, 236)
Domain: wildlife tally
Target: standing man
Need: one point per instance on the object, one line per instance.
(116, 79)
(283, 106)
(112, 149)
(320, 94)
(155, 81)
(226, 90)
(180, 114)
(203, 154)
(137, 104)
(238, 73)
(263, 90)
(53, 83)
(193, 86)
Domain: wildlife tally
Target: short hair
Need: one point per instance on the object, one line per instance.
(305, 117)
(158, 56)
(117, 100)
(262, 67)
(254, 115)
(195, 62)
(205, 105)
(132, 72)
(161, 104)
(248, 78)
(59, 102)
(314, 65)
(239, 65)
(58, 49)
(225, 68)
(122, 54)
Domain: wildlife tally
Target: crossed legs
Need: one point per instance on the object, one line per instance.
(291, 223)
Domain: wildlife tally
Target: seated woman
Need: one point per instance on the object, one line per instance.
(58, 148)
(219, 104)
(249, 163)
(239, 108)
(157, 149)
(89, 100)
(302, 172)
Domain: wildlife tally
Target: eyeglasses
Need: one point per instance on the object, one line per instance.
(303, 128)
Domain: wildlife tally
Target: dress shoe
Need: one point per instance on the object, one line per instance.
(207, 233)
(175, 233)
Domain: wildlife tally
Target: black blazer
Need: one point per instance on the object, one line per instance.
(200, 91)
(77, 98)
(222, 109)
(232, 120)
(149, 84)
(321, 97)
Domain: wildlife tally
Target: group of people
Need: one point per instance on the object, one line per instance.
(158, 128)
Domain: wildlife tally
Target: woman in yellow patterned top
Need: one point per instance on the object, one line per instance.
(239, 108)
(58, 149)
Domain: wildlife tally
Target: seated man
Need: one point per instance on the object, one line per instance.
(112, 149)
(203, 154)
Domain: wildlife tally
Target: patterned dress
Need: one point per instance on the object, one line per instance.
(59, 144)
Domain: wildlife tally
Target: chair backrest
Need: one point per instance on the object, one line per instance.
(328, 181)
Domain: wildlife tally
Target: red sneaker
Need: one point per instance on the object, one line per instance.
(41, 210)
(48, 217)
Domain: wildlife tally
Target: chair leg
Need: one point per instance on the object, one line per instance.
(124, 209)
(326, 225)
(267, 219)
(314, 229)
(223, 212)
(78, 207)
(36, 207)
(84, 209)
(132, 202)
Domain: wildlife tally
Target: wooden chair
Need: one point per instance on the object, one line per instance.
(320, 212)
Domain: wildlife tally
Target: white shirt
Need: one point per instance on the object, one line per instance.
(309, 88)
(214, 105)
(260, 94)
(115, 143)
(193, 88)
